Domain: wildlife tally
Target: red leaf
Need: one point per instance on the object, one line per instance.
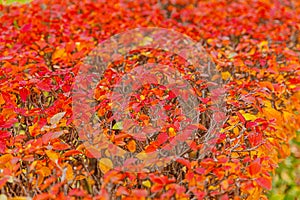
(7, 124)
(152, 147)
(51, 135)
(255, 138)
(225, 197)
(262, 62)
(26, 28)
(190, 129)
(219, 117)
(3, 182)
(162, 138)
(4, 134)
(156, 188)
(139, 193)
(92, 152)
(72, 152)
(77, 192)
(189, 176)
(254, 168)
(185, 162)
(60, 146)
(200, 170)
(122, 191)
(2, 146)
(264, 182)
(241, 117)
(43, 85)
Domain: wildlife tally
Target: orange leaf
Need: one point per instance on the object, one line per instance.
(144, 117)
(131, 146)
(69, 173)
(2, 101)
(45, 171)
(59, 53)
(201, 127)
(5, 158)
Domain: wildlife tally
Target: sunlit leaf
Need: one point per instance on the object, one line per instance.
(57, 117)
(52, 155)
(118, 126)
(105, 164)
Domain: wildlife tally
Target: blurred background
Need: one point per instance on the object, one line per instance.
(286, 182)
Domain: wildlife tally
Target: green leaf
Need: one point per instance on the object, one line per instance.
(118, 126)
(7, 2)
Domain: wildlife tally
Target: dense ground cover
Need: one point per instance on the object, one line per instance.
(254, 45)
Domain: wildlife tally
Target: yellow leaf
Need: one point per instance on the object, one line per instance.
(78, 46)
(80, 177)
(225, 184)
(146, 183)
(263, 45)
(210, 40)
(105, 164)
(225, 75)
(107, 153)
(141, 155)
(118, 126)
(255, 192)
(147, 156)
(146, 41)
(271, 113)
(32, 130)
(236, 131)
(19, 198)
(172, 132)
(249, 116)
(52, 155)
(252, 51)
(213, 187)
(287, 116)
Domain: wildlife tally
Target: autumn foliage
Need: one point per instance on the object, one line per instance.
(254, 45)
